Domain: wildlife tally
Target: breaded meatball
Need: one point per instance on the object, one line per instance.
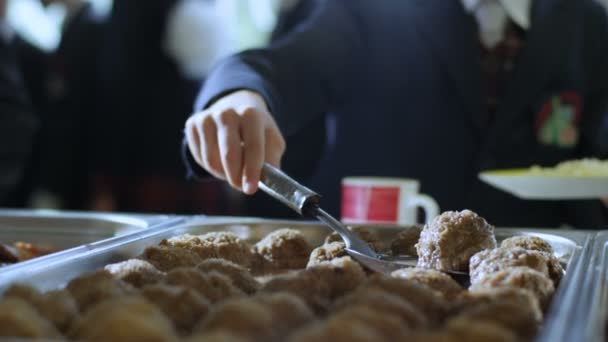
(327, 252)
(18, 318)
(449, 241)
(387, 326)
(135, 272)
(315, 291)
(211, 285)
(405, 242)
(225, 245)
(289, 312)
(528, 242)
(184, 306)
(57, 306)
(283, 249)
(245, 317)
(342, 274)
(166, 258)
(436, 280)
(366, 234)
(92, 288)
(385, 302)
(556, 271)
(515, 309)
(462, 329)
(335, 331)
(493, 260)
(423, 298)
(240, 276)
(520, 277)
(130, 318)
(223, 336)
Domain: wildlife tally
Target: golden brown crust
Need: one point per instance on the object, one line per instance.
(92, 288)
(494, 260)
(135, 272)
(436, 280)
(240, 276)
(449, 241)
(283, 249)
(130, 318)
(184, 306)
(212, 285)
(166, 258)
(18, 318)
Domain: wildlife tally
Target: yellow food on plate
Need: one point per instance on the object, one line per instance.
(589, 167)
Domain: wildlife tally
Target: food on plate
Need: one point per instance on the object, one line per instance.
(166, 258)
(436, 280)
(289, 312)
(219, 287)
(92, 288)
(283, 249)
(529, 242)
(385, 302)
(516, 309)
(450, 239)
(130, 318)
(519, 277)
(225, 245)
(423, 298)
(342, 274)
(461, 329)
(335, 330)
(587, 167)
(327, 252)
(240, 276)
(223, 336)
(22, 251)
(212, 285)
(184, 306)
(135, 272)
(315, 291)
(18, 318)
(493, 260)
(405, 242)
(366, 234)
(245, 317)
(58, 306)
(388, 327)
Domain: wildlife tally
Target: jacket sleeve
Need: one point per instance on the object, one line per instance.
(300, 76)
(306, 73)
(17, 124)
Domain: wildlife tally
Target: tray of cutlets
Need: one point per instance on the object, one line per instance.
(249, 279)
(27, 236)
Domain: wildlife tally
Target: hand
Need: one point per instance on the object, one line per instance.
(234, 137)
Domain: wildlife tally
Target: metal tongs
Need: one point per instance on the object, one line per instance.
(306, 203)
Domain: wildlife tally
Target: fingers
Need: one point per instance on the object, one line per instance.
(252, 131)
(275, 145)
(210, 150)
(193, 139)
(230, 148)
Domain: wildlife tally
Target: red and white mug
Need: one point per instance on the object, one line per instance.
(379, 200)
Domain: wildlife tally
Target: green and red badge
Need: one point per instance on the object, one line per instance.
(557, 122)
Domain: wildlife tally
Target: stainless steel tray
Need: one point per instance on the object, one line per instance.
(593, 308)
(571, 247)
(63, 231)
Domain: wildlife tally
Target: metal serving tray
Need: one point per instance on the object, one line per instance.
(570, 246)
(593, 310)
(63, 231)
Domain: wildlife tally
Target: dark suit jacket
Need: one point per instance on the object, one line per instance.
(17, 125)
(403, 79)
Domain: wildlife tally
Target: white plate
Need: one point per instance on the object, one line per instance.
(520, 183)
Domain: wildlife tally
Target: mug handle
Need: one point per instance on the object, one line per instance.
(427, 203)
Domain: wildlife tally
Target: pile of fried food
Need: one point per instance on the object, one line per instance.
(21, 251)
(218, 287)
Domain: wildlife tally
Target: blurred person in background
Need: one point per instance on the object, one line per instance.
(434, 90)
(18, 123)
(70, 131)
(154, 57)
